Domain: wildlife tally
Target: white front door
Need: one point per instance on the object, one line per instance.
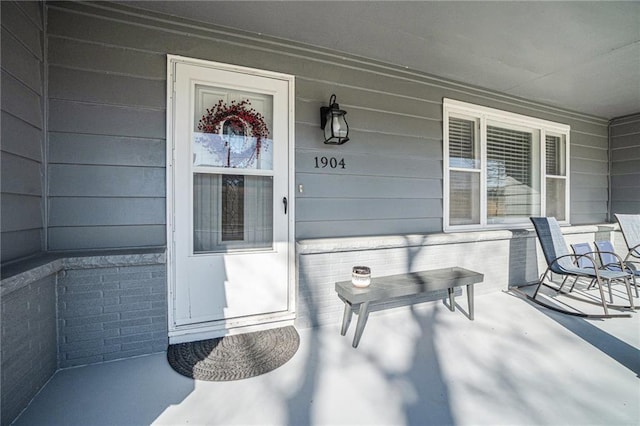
(230, 208)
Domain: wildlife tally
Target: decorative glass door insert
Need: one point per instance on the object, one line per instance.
(232, 135)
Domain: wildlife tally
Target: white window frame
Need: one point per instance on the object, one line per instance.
(484, 114)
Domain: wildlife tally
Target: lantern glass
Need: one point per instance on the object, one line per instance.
(334, 123)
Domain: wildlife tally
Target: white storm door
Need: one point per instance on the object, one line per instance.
(230, 197)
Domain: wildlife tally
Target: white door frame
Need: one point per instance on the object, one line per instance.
(178, 334)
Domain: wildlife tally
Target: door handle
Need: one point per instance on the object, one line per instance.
(285, 202)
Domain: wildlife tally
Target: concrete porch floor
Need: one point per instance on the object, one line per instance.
(516, 364)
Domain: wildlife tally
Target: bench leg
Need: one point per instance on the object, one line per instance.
(470, 300)
(363, 313)
(452, 299)
(346, 318)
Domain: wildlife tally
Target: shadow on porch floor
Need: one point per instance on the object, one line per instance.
(515, 364)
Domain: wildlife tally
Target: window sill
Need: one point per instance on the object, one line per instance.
(336, 245)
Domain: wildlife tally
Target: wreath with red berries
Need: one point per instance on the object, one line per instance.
(238, 115)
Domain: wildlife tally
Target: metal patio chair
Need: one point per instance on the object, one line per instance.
(559, 261)
(581, 261)
(630, 227)
(611, 261)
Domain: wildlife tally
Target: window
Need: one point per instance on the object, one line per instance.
(501, 168)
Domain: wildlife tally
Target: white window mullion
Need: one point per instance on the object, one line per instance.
(567, 174)
(483, 170)
(543, 172)
(446, 168)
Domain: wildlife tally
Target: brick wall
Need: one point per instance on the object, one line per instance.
(318, 272)
(65, 311)
(28, 344)
(111, 313)
(506, 258)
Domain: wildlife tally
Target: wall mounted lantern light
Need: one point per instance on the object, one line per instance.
(332, 121)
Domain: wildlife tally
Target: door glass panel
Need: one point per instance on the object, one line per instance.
(232, 129)
(232, 212)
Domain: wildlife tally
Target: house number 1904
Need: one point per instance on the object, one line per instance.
(332, 162)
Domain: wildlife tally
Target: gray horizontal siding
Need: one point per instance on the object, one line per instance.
(588, 153)
(24, 21)
(22, 147)
(627, 207)
(21, 138)
(151, 36)
(631, 153)
(72, 148)
(625, 126)
(579, 179)
(595, 167)
(99, 237)
(112, 120)
(101, 88)
(20, 212)
(21, 175)
(354, 228)
(625, 165)
(370, 165)
(328, 209)
(106, 181)
(110, 64)
(625, 181)
(20, 101)
(307, 135)
(21, 62)
(106, 144)
(589, 193)
(97, 211)
(626, 194)
(353, 187)
(23, 243)
(81, 55)
(629, 140)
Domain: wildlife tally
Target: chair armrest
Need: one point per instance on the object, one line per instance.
(576, 257)
(623, 265)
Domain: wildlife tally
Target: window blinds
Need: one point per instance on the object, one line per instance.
(553, 155)
(461, 143)
(508, 156)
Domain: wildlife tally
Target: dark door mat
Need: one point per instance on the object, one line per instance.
(234, 357)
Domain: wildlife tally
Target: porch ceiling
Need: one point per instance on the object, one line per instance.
(584, 56)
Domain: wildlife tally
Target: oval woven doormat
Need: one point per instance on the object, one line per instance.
(234, 357)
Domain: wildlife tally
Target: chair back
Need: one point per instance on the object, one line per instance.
(552, 243)
(605, 252)
(582, 249)
(630, 227)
